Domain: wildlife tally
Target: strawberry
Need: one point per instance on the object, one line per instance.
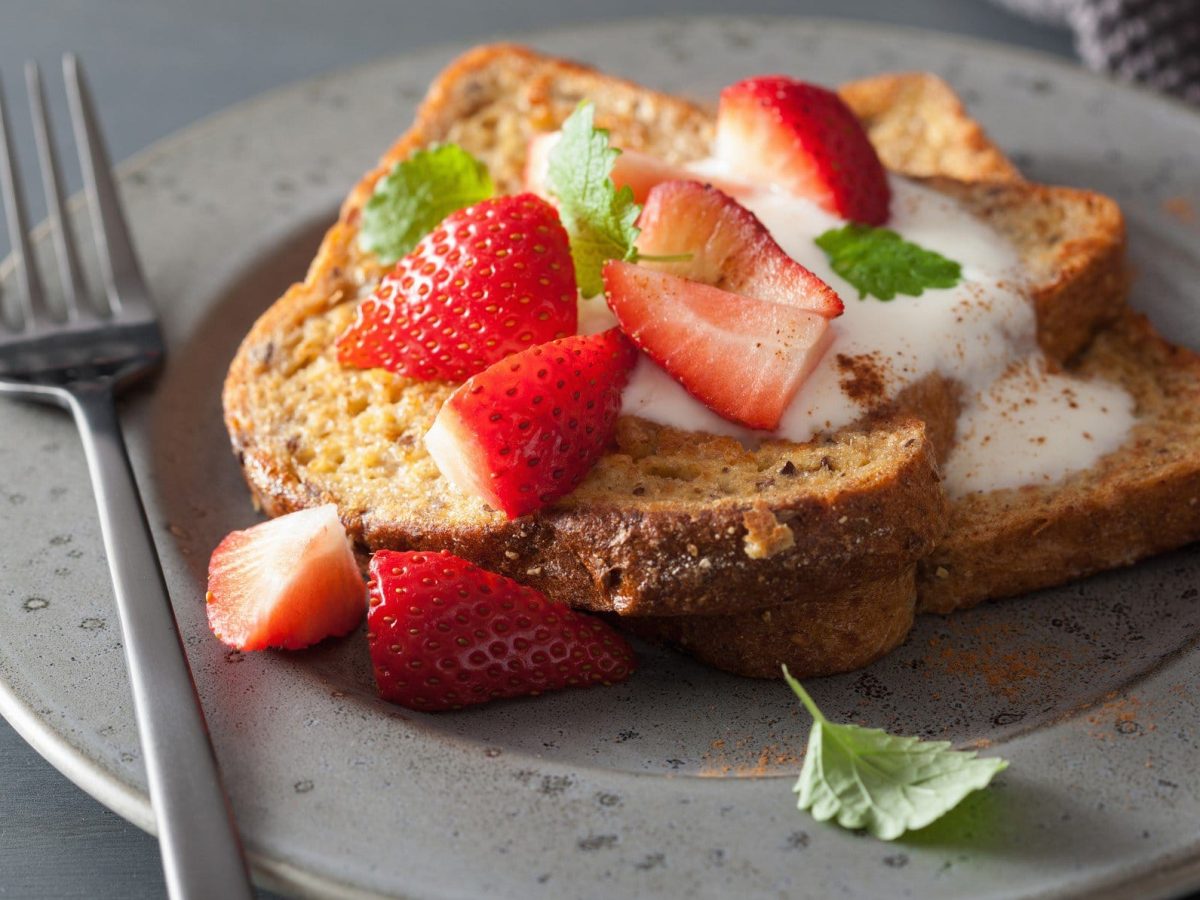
(526, 431)
(744, 358)
(492, 279)
(640, 171)
(445, 634)
(289, 583)
(805, 139)
(727, 247)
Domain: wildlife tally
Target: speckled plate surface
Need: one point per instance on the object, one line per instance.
(677, 783)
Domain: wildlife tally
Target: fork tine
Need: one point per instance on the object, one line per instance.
(64, 243)
(123, 281)
(14, 209)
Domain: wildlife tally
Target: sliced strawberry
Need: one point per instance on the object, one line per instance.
(640, 171)
(526, 431)
(289, 583)
(493, 279)
(805, 139)
(742, 357)
(727, 247)
(445, 634)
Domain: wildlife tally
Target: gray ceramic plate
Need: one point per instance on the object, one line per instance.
(677, 783)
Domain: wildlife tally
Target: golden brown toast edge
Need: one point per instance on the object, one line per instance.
(1079, 283)
(920, 127)
(816, 636)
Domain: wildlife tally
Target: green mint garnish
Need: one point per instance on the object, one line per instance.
(598, 218)
(879, 262)
(867, 778)
(417, 194)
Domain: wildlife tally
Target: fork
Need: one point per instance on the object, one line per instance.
(78, 357)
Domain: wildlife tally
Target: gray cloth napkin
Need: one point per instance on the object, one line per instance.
(1155, 42)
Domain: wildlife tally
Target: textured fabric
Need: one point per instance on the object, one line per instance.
(1155, 42)
(1053, 12)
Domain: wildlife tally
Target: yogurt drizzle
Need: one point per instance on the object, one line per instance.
(1020, 423)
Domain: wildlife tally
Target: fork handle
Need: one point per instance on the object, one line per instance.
(202, 856)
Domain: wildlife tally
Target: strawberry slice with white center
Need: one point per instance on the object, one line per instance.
(744, 358)
(526, 431)
(289, 583)
(803, 138)
(639, 171)
(726, 247)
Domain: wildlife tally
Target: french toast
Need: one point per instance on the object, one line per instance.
(1141, 500)
(664, 511)
(811, 554)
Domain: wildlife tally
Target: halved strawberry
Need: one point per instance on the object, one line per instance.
(744, 358)
(289, 583)
(640, 171)
(805, 139)
(526, 431)
(445, 634)
(492, 279)
(727, 247)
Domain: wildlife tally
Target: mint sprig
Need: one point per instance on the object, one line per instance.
(598, 217)
(879, 262)
(417, 194)
(867, 778)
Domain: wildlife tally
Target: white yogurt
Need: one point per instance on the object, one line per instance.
(1031, 426)
(978, 333)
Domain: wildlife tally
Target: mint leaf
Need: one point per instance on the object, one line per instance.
(417, 194)
(598, 217)
(867, 778)
(879, 262)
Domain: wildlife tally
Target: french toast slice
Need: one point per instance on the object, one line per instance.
(1141, 500)
(920, 127)
(815, 634)
(669, 524)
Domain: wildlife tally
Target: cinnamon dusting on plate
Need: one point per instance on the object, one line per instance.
(730, 761)
(1181, 209)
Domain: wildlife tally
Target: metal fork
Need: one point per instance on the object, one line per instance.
(77, 359)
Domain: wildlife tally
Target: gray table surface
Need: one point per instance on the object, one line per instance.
(157, 65)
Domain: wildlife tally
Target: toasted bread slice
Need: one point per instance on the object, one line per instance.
(1072, 244)
(816, 634)
(1141, 500)
(920, 127)
(668, 524)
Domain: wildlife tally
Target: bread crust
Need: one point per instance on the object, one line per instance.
(920, 127)
(1072, 242)
(635, 561)
(820, 634)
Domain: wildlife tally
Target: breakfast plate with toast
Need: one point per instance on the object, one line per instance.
(642, 363)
